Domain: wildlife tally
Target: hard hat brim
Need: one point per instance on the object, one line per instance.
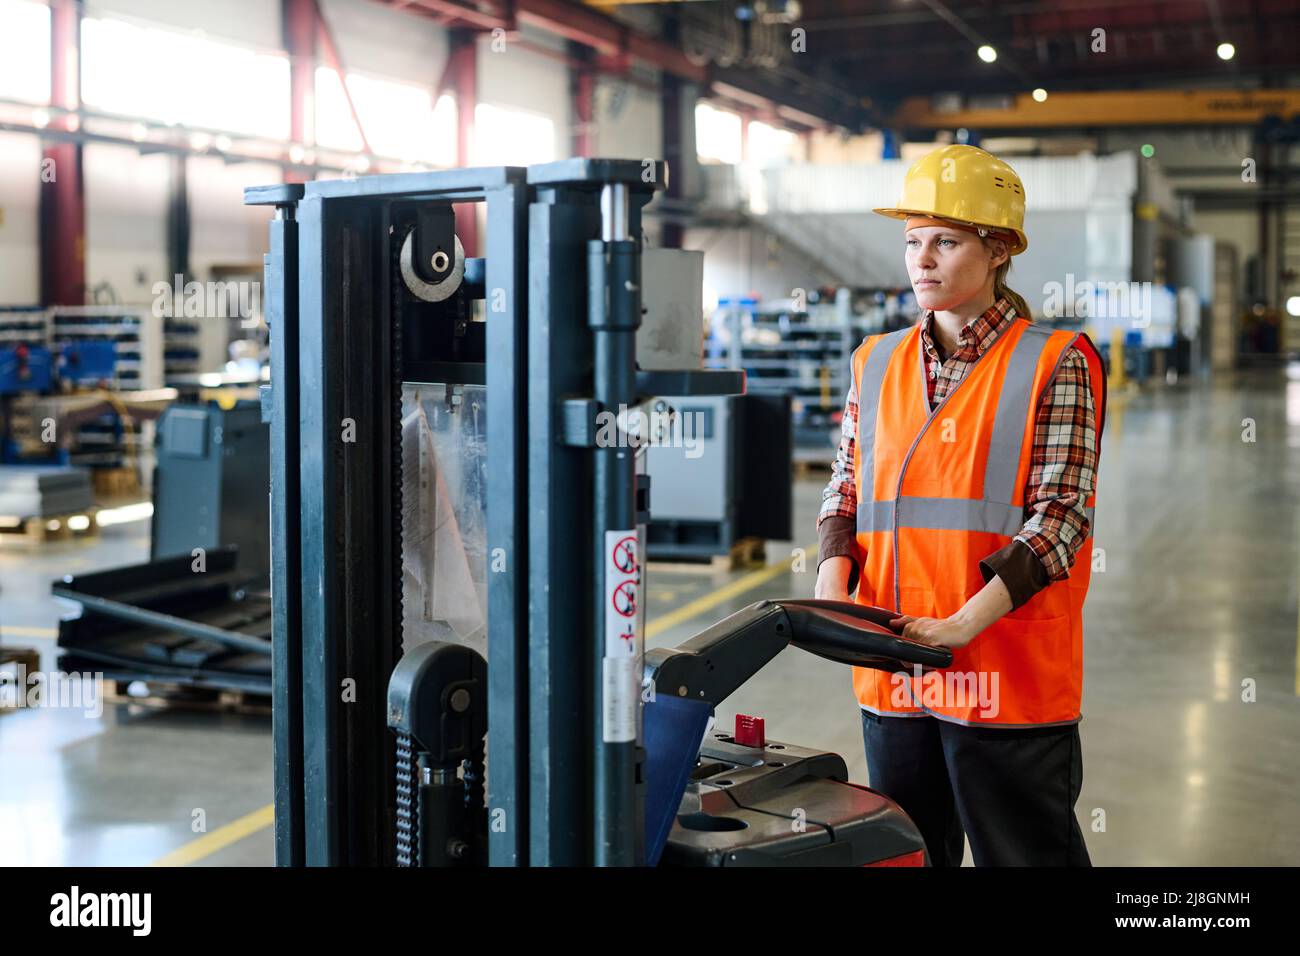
(1017, 247)
(900, 213)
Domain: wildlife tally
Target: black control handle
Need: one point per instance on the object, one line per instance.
(719, 659)
(857, 634)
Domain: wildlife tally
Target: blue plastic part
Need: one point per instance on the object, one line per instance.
(674, 730)
(889, 145)
(87, 361)
(24, 369)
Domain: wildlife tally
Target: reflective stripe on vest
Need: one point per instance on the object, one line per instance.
(945, 514)
(994, 512)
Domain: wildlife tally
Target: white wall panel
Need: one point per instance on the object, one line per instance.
(391, 43)
(20, 184)
(126, 220)
(256, 22)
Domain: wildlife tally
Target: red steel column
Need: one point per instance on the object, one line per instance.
(675, 142)
(462, 76)
(63, 194)
(582, 91)
(299, 30)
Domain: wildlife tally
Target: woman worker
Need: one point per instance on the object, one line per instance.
(962, 498)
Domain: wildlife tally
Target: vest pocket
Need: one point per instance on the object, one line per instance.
(1033, 661)
(1018, 627)
(1041, 608)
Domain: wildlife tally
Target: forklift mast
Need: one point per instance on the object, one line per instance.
(371, 298)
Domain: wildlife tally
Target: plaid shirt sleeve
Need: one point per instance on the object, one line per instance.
(1062, 469)
(837, 520)
(840, 498)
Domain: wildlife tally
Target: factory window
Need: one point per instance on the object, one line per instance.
(769, 146)
(25, 51)
(401, 120)
(184, 78)
(717, 134)
(507, 137)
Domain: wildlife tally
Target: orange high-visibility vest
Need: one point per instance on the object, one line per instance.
(938, 492)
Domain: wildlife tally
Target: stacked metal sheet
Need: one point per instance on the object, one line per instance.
(35, 491)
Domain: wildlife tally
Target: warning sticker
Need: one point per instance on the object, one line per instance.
(622, 588)
(623, 637)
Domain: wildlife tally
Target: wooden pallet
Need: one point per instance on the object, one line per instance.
(745, 554)
(114, 482)
(810, 469)
(30, 532)
(25, 661)
(164, 696)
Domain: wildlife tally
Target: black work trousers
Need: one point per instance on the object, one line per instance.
(1011, 792)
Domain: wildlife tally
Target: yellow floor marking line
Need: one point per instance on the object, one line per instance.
(45, 633)
(219, 839)
(739, 586)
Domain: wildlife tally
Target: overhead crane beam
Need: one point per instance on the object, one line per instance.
(1107, 108)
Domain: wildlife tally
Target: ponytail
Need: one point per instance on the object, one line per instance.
(1002, 291)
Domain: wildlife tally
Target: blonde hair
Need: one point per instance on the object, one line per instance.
(1002, 291)
(1000, 288)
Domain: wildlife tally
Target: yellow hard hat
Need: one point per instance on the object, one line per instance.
(967, 185)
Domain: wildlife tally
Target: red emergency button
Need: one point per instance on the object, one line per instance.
(749, 731)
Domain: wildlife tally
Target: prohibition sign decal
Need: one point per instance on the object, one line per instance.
(624, 598)
(624, 555)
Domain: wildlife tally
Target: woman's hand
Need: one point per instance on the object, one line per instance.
(958, 630)
(951, 632)
(833, 579)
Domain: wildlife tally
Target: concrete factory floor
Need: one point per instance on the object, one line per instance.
(1199, 594)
